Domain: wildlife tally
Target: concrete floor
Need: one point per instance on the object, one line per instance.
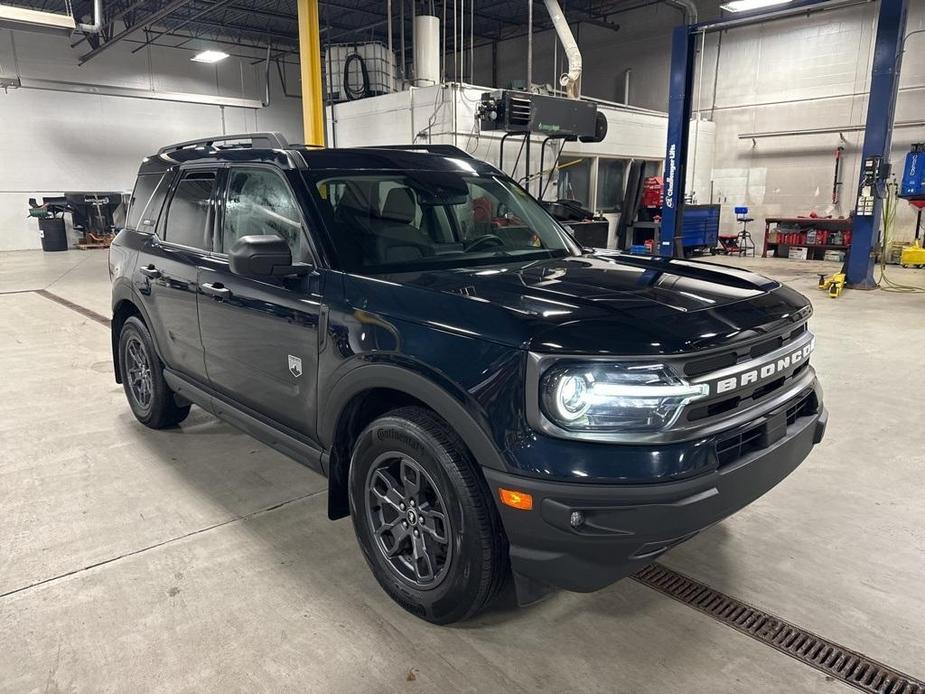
(199, 560)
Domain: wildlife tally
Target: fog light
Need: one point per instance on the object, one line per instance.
(577, 519)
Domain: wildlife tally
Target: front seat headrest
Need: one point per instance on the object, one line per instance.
(400, 206)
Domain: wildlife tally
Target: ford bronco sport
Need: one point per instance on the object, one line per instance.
(485, 397)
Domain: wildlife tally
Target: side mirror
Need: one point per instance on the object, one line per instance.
(265, 255)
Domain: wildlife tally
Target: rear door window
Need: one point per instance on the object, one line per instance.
(146, 202)
(189, 217)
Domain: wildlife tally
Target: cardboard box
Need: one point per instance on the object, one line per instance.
(797, 253)
(834, 256)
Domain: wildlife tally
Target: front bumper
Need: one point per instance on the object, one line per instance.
(627, 526)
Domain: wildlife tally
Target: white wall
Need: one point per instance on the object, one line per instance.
(806, 72)
(798, 74)
(51, 141)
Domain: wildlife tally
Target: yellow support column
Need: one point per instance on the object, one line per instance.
(310, 63)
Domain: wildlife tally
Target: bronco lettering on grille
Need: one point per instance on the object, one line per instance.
(776, 366)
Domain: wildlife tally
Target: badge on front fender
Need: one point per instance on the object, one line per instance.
(295, 366)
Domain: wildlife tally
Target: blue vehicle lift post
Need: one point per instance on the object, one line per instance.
(878, 136)
(881, 106)
(680, 96)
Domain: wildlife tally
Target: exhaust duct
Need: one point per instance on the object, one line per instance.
(571, 79)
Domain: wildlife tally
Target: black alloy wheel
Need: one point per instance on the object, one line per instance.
(139, 373)
(408, 517)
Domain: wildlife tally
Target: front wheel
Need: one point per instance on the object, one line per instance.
(424, 518)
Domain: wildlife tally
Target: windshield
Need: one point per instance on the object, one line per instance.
(397, 222)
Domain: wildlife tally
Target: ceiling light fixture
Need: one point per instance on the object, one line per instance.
(209, 56)
(746, 5)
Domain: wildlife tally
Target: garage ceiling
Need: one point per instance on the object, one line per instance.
(255, 23)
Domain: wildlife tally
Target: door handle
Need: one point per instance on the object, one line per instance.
(150, 272)
(216, 289)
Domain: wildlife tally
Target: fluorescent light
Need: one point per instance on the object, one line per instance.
(211, 56)
(746, 5)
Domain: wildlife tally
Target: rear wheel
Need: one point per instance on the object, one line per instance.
(424, 518)
(148, 395)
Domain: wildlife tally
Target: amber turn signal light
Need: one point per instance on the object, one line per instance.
(520, 500)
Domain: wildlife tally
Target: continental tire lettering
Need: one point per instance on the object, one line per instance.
(400, 436)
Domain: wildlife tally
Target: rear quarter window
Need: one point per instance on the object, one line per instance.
(146, 202)
(189, 212)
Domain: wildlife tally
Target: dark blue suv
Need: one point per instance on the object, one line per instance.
(487, 398)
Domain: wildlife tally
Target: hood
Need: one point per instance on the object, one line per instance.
(593, 304)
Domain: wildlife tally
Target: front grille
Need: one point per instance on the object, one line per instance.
(700, 367)
(732, 447)
(728, 404)
(757, 390)
(766, 347)
(803, 406)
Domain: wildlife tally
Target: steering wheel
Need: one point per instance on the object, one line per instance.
(482, 240)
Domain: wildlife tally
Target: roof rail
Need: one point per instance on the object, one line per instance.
(448, 150)
(267, 140)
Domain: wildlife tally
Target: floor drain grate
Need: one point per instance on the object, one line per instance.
(836, 661)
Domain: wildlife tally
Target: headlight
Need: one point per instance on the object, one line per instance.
(615, 397)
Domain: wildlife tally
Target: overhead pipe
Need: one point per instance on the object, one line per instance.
(687, 7)
(401, 37)
(784, 13)
(391, 61)
(266, 80)
(97, 24)
(827, 130)
(571, 79)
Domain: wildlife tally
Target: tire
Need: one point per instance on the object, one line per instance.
(148, 395)
(412, 448)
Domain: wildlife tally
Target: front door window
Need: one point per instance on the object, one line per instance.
(260, 202)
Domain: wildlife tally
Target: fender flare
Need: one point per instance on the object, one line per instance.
(122, 290)
(453, 410)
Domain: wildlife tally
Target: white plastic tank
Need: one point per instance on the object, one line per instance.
(369, 68)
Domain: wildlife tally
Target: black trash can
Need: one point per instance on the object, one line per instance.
(54, 235)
